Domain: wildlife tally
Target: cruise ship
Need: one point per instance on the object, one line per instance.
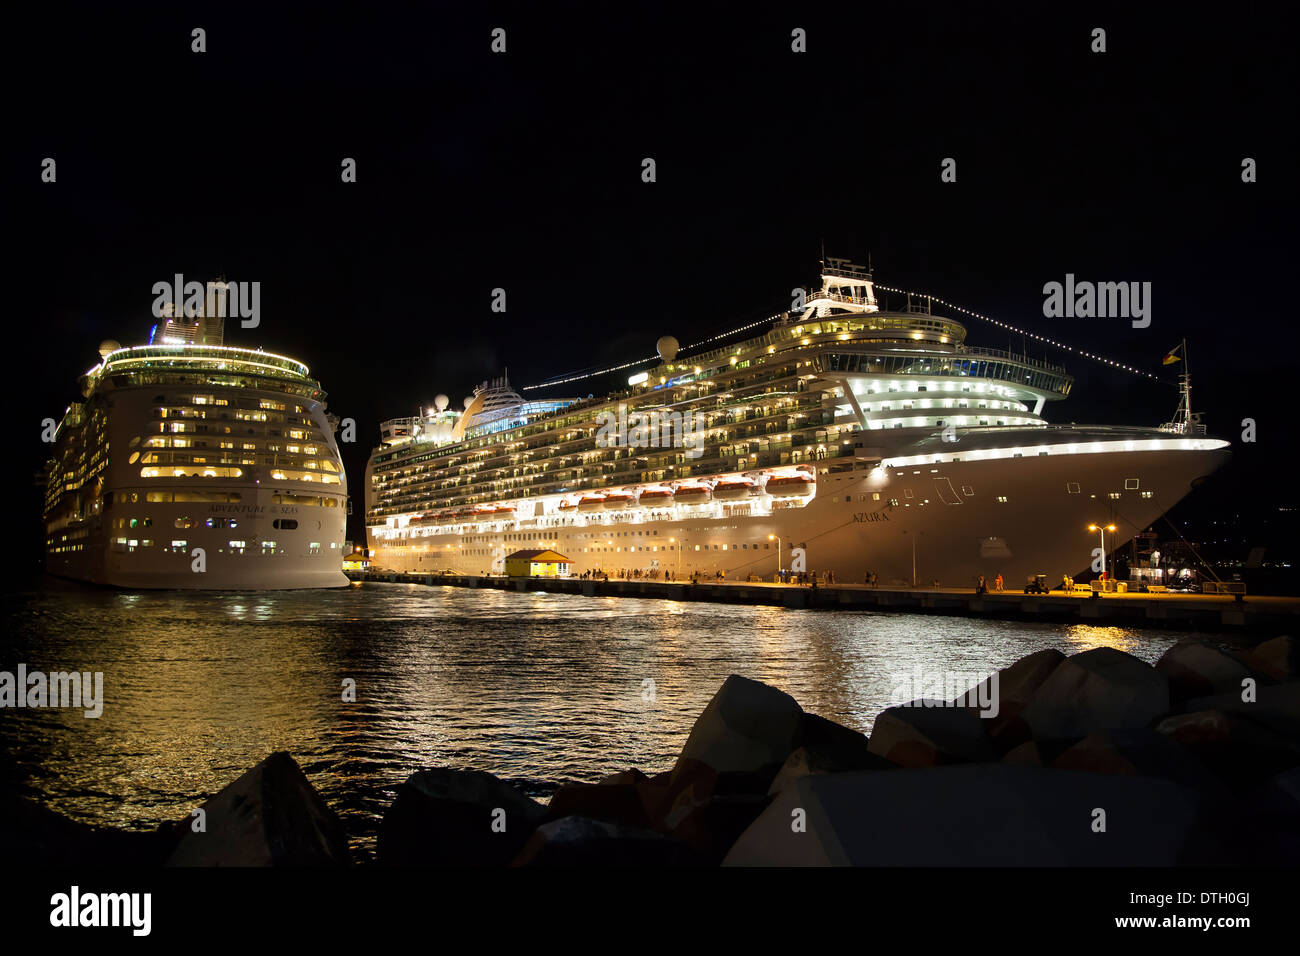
(841, 437)
(189, 463)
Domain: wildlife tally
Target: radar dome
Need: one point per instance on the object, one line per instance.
(469, 400)
(107, 347)
(440, 402)
(667, 348)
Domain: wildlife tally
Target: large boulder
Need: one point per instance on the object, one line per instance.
(1276, 706)
(581, 841)
(1239, 751)
(827, 747)
(1000, 702)
(1100, 689)
(445, 817)
(632, 804)
(1195, 669)
(746, 731)
(930, 734)
(270, 816)
(1139, 751)
(1262, 828)
(1278, 658)
(712, 827)
(974, 815)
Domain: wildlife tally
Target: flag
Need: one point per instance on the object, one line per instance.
(1172, 357)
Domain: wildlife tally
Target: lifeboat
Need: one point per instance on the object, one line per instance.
(444, 516)
(788, 486)
(692, 494)
(567, 505)
(618, 500)
(653, 497)
(731, 488)
(504, 510)
(591, 502)
(464, 513)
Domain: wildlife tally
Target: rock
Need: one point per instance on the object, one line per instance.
(580, 841)
(625, 776)
(1276, 706)
(1262, 828)
(913, 735)
(747, 729)
(712, 827)
(270, 816)
(810, 760)
(827, 747)
(1139, 751)
(975, 815)
(1238, 751)
(1278, 658)
(1194, 669)
(1014, 688)
(1100, 689)
(44, 838)
(445, 817)
(631, 804)
(1038, 753)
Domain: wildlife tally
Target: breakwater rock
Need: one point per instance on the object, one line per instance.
(1092, 759)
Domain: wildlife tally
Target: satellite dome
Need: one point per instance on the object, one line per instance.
(108, 346)
(667, 348)
(440, 402)
(469, 400)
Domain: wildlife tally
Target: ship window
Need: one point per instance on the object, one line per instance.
(1130, 484)
(1114, 494)
(1072, 487)
(1147, 494)
(907, 493)
(1002, 499)
(967, 490)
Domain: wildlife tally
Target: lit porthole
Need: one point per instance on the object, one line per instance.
(135, 456)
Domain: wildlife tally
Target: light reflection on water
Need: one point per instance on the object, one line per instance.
(537, 688)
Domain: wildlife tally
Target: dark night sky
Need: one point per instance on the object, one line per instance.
(523, 171)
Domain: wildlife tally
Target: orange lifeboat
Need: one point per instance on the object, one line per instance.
(504, 510)
(618, 500)
(788, 486)
(653, 497)
(592, 502)
(692, 494)
(730, 488)
(566, 505)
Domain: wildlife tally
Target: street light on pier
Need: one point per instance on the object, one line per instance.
(1103, 529)
(777, 539)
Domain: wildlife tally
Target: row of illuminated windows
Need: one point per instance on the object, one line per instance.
(236, 546)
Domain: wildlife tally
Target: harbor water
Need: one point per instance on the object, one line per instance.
(540, 689)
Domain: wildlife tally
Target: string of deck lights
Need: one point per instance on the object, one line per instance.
(883, 288)
(1012, 328)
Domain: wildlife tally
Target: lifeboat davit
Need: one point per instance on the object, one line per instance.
(653, 497)
(592, 502)
(730, 488)
(618, 500)
(788, 486)
(692, 494)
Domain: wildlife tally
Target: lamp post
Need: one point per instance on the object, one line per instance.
(1103, 529)
(777, 539)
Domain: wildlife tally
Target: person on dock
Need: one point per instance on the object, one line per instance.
(997, 582)
(981, 587)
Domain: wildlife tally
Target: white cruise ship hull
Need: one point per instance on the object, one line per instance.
(950, 522)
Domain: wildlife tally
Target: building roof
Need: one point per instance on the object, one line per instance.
(545, 556)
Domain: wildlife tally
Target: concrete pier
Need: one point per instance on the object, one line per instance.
(1199, 612)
